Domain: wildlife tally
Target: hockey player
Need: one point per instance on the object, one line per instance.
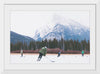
(21, 52)
(82, 52)
(59, 53)
(42, 52)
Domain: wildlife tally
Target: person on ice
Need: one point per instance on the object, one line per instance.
(82, 52)
(59, 53)
(42, 52)
(21, 52)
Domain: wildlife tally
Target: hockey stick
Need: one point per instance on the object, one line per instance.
(50, 59)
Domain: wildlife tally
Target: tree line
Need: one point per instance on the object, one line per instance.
(65, 45)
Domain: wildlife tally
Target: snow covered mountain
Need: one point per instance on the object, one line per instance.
(65, 28)
(68, 32)
(41, 32)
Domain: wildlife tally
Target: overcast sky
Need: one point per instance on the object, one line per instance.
(27, 22)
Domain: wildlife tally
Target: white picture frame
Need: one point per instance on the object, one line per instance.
(6, 67)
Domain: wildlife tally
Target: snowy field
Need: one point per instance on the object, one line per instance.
(32, 58)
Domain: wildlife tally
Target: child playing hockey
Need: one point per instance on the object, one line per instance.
(59, 53)
(21, 52)
(82, 52)
(42, 52)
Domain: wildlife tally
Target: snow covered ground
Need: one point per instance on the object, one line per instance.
(32, 58)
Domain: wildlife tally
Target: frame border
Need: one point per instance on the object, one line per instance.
(96, 56)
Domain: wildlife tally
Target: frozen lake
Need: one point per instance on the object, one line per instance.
(32, 58)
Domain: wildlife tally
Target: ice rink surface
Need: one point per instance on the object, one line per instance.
(32, 58)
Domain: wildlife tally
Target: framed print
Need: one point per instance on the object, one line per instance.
(49, 37)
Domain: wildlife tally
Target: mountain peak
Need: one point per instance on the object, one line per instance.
(69, 28)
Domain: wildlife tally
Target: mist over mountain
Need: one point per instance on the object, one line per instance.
(60, 28)
(63, 28)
